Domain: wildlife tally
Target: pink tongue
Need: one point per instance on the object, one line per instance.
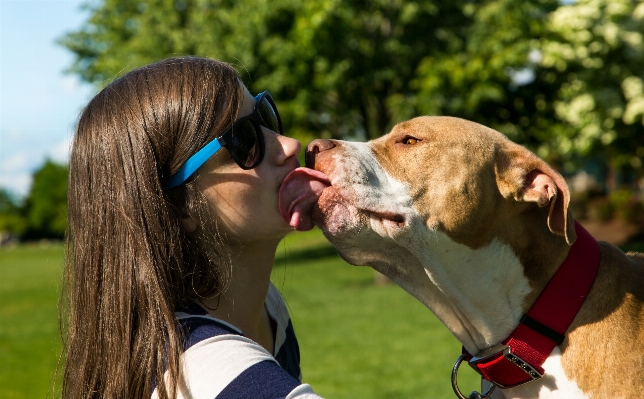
(299, 191)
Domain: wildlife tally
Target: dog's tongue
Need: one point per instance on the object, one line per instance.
(299, 192)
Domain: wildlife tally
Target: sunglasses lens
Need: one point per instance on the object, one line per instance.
(244, 147)
(269, 115)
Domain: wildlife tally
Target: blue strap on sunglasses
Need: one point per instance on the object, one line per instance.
(193, 163)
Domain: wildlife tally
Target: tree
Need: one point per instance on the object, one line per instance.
(11, 219)
(46, 202)
(492, 75)
(353, 68)
(338, 68)
(597, 48)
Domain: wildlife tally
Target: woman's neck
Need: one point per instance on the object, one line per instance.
(242, 305)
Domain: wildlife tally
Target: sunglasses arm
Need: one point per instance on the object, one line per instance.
(194, 162)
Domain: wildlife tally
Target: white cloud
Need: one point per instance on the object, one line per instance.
(17, 183)
(15, 162)
(15, 173)
(16, 168)
(14, 134)
(60, 152)
(70, 84)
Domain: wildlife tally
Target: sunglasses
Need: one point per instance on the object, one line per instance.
(244, 140)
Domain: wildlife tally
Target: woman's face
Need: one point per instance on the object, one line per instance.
(245, 202)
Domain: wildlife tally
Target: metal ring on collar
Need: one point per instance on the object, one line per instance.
(473, 394)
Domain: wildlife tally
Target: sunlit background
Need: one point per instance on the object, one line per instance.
(39, 102)
(564, 78)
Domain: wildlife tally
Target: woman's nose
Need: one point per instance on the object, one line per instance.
(290, 148)
(316, 147)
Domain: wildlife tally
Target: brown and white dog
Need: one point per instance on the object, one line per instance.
(474, 226)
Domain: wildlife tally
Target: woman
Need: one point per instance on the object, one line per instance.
(174, 177)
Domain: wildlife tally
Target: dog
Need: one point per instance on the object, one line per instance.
(478, 229)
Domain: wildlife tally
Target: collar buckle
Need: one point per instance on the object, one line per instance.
(490, 357)
(533, 373)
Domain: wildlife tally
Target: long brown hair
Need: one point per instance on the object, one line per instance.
(129, 264)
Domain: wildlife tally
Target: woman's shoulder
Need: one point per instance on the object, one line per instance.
(231, 366)
(219, 362)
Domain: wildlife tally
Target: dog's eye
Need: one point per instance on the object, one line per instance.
(410, 140)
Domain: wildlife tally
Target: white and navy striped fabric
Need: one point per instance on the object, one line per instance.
(220, 363)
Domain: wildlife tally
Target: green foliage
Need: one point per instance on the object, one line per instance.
(11, 219)
(627, 205)
(46, 203)
(351, 69)
(43, 213)
(475, 80)
(597, 50)
(339, 68)
(344, 68)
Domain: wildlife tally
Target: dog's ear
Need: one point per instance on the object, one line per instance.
(547, 187)
(527, 178)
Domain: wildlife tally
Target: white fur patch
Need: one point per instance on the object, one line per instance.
(480, 290)
(365, 182)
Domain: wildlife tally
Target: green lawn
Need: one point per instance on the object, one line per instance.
(358, 340)
(30, 279)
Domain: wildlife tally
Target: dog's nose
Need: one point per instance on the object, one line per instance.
(316, 147)
(319, 145)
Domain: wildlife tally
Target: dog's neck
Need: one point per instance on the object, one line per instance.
(479, 294)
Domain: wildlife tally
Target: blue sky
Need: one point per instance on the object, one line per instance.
(39, 103)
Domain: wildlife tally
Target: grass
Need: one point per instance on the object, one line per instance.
(30, 278)
(357, 339)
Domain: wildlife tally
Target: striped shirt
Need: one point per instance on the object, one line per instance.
(219, 362)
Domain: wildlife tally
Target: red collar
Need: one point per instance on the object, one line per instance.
(518, 359)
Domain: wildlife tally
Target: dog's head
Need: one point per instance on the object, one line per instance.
(441, 205)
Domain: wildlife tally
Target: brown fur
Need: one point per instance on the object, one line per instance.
(474, 184)
(603, 350)
(486, 199)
